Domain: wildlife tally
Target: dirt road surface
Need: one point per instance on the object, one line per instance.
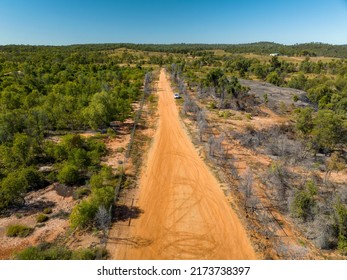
(185, 213)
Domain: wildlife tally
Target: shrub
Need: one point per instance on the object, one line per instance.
(83, 214)
(81, 192)
(328, 131)
(248, 116)
(110, 132)
(31, 253)
(48, 251)
(79, 158)
(274, 78)
(47, 211)
(103, 196)
(340, 210)
(72, 141)
(342, 244)
(102, 193)
(304, 120)
(18, 231)
(89, 254)
(34, 178)
(152, 99)
(212, 105)
(101, 179)
(98, 146)
(12, 190)
(68, 174)
(45, 251)
(304, 202)
(224, 114)
(41, 218)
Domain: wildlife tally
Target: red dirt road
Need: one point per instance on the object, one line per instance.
(186, 215)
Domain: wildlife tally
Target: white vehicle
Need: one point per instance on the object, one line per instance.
(177, 95)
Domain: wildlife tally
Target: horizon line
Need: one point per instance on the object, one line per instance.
(167, 44)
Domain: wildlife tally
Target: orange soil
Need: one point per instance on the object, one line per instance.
(53, 228)
(185, 213)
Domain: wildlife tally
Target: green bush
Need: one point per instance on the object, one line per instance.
(212, 105)
(12, 190)
(152, 98)
(73, 141)
(47, 211)
(34, 178)
(79, 158)
(110, 132)
(83, 214)
(102, 193)
(248, 116)
(342, 244)
(304, 120)
(304, 203)
(47, 251)
(89, 254)
(18, 231)
(41, 218)
(103, 196)
(102, 178)
(340, 211)
(96, 145)
(266, 98)
(274, 78)
(224, 114)
(81, 192)
(68, 175)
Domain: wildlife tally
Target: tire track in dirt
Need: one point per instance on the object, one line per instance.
(185, 213)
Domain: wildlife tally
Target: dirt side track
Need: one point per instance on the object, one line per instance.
(186, 215)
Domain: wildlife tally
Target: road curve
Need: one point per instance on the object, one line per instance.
(185, 213)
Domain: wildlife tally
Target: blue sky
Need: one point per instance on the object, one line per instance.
(53, 22)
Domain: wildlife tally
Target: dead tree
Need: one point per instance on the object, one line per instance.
(246, 188)
(202, 123)
(103, 221)
(147, 83)
(211, 145)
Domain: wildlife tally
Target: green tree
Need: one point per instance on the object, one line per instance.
(328, 131)
(102, 179)
(100, 111)
(79, 158)
(68, 175)
(304, 120)
(12, 190)
(298, 82)
(274, 78)
(83, 214)
(213, 77)
(303, 205)
(23, 149)
(103, 196)
(320, 94)
(341, 220)
(34, 178)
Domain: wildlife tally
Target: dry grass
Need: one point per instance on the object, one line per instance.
(293, 59)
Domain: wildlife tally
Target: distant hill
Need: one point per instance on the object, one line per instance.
(307, 49)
